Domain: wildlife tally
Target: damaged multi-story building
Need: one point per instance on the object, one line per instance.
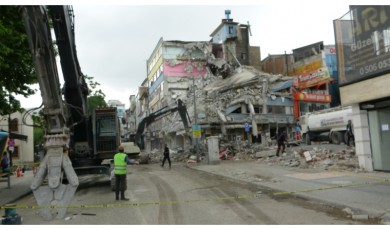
(314, 68)
(220, 82)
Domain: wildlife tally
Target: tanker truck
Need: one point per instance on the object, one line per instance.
(326, 125)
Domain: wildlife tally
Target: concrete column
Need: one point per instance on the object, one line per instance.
(362, 137)
(254, 128)
(243, 109)
(213, 153)
(264, 95)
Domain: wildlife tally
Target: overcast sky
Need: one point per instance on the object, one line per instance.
(114, 41)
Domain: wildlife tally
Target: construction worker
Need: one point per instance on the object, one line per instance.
(350, 135)
(281, 145)
(120, 170)
(166, 156)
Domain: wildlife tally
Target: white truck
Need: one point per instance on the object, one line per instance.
(326, 125)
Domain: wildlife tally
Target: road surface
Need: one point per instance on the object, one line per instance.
(183, 196)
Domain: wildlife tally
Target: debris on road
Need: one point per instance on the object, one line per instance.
(316, 156)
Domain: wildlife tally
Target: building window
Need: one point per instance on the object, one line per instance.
(278, 110)
(243, 56)
(14, 125)
(230, 29)
(386, 40)
(15, 154)
(273, 109)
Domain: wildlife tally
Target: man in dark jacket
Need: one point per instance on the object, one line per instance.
(166, 156)
(281, 139)
(350, 135)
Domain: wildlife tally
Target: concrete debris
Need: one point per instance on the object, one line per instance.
(348, 211)
(307, 156)
(360, 217)
(302, 157)
(386, 218)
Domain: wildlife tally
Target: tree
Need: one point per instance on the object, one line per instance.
(39, 125)
(17, 71)
(96, 96)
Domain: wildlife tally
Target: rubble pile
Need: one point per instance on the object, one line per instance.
(177, 155)
(315, 157)
(301, 157)
(307, 157)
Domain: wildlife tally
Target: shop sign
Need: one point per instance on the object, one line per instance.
(326, 98)
(313, 78)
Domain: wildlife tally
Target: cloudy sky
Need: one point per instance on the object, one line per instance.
(115, 39)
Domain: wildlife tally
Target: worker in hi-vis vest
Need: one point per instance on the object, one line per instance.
(120, 162)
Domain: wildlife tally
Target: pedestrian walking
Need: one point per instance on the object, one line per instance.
(120, 170)
(298, 130)
(281, 145)
(166, 156)
(350, 135)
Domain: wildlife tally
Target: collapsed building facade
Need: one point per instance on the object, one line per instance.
(221, 84)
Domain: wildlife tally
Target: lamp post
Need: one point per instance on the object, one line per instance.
(196, 121)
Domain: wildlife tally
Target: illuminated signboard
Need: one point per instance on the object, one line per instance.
(363, 43)
(325, 98)
(312, 78)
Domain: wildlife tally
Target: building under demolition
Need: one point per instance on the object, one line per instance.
(220, 82)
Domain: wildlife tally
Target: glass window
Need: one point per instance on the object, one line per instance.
(230, 29)
(14, 125)
(16, 153)
(278, 110)
(386, 39)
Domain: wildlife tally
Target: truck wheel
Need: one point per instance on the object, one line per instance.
(345, 137)
(306, 137)
(336, 138)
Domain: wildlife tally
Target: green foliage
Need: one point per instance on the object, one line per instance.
(16, 65)
(96, 96)
(95, 102)
(39, 125)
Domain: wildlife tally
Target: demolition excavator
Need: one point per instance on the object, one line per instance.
(146, 121)
(74, 143)
(67, 135)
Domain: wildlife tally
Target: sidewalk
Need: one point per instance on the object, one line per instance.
(19, 187)
(366, 194)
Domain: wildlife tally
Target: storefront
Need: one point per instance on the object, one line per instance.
(311, 92)
(363, 57)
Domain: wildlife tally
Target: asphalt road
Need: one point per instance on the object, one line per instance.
(182, 196)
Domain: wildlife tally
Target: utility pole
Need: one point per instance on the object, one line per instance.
(196, 120)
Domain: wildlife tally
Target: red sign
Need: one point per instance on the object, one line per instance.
(313, 97)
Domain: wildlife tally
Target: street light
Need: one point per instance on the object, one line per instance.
(195, 120)
(195, 127)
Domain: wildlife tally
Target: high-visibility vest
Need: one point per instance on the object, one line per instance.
(120, 163)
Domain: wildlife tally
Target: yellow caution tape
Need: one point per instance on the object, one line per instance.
(128, 204)
(189, 201)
